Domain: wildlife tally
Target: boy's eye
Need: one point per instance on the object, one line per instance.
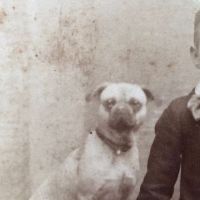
(109, 103)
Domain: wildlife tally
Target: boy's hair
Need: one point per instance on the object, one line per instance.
(197, 29)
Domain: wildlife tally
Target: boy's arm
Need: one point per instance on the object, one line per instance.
(165, 157)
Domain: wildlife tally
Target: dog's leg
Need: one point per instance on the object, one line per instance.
(115, 190)
(126, 188)
(109, 191)
(61, 185)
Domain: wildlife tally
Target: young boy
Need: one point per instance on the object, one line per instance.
(177, 144)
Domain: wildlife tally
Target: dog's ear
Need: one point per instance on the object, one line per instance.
(148, 93)
(96, 92)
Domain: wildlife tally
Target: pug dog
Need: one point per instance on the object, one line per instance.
(105, 166)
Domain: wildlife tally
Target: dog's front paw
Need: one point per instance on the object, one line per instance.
(109, 191)
(115, 190)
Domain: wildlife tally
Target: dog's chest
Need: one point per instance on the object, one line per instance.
(99, 165)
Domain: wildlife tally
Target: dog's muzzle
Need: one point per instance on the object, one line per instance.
(122, 117)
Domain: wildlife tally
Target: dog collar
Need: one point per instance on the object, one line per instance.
(117, 148)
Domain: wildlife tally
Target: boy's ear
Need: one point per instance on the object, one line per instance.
(195, 56)
(96, 92)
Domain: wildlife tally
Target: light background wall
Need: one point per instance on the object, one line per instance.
(52, 52)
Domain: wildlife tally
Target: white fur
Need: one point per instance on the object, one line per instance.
(125, 91)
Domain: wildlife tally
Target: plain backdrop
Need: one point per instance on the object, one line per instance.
(52, 52)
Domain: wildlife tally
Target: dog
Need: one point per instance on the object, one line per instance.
(105, 167)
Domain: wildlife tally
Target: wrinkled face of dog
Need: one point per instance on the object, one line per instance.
(122, 105)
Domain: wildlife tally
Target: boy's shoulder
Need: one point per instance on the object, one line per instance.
(179, 103)
(178, 106)
(176, 115)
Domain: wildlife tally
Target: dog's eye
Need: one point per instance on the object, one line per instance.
(109, 103)
(135, 104)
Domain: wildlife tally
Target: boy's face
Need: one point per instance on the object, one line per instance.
(195, 51)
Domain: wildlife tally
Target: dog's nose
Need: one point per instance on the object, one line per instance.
(121, 117)
(121, 108)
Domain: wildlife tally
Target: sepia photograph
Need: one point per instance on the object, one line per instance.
(100, 99)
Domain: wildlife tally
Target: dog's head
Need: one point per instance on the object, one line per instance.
(122, 105)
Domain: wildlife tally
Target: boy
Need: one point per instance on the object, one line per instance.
(177, 144)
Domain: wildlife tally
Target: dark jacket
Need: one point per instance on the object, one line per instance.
(176, 144)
